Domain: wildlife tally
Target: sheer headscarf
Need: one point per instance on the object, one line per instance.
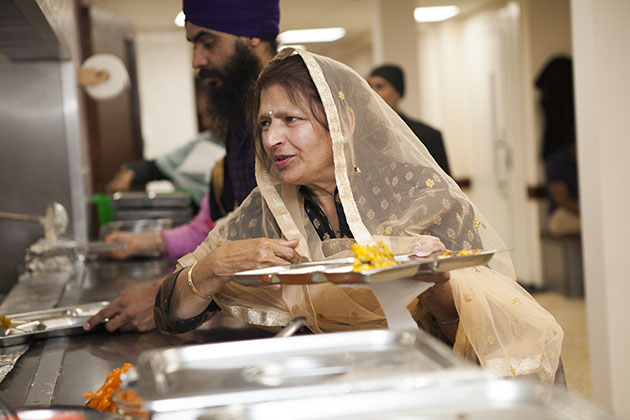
(392, 190)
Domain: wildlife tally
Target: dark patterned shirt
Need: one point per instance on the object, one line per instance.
(320, 221)
(239, 173)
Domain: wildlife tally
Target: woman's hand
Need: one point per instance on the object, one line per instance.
(136, 243)
(439, 298)
(212, 272)
(250, 254)
(428, 246)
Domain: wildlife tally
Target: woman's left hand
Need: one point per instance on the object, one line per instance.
(428, 246)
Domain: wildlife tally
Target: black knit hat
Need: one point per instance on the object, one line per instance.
(393, 74)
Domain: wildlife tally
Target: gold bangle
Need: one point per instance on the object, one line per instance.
(192, 286)
(455, 321)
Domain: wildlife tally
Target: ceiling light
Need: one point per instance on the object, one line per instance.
(180, 19)
(435, 14)
(301, 36)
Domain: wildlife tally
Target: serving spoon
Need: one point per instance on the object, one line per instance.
(55, 221)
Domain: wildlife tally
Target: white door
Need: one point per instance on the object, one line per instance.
(495, 111)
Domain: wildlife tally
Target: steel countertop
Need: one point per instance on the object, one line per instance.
(58, 371)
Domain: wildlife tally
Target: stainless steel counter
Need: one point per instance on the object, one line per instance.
(57, 371)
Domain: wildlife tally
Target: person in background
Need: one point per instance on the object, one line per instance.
(232, 41)
(389, 82)
(562, 187)
(555, 83)
(188, 166)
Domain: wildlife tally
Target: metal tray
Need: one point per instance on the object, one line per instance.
(55, 322)
(340, 271)
(442, 400)
(253, 371)
(93, 247)
(144, 200)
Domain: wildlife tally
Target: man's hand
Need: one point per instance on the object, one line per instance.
(120, 182)
(133, 311)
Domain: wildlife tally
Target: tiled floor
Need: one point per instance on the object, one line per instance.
(571, 315)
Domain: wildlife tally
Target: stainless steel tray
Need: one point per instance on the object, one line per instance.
(55, 322)
(253, 371)
(144, 200)
(442, 400)
(340, 271)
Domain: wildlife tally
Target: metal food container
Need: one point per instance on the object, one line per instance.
(144, 200)
(340, 271)
(57, 322)
(442, 399)
(200, 379)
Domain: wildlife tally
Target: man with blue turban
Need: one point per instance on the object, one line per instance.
(232, 41)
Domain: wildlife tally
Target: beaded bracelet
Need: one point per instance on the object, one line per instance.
(192, 286)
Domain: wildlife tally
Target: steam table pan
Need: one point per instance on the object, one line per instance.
(253, 371)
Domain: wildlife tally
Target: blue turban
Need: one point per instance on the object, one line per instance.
(251, 18)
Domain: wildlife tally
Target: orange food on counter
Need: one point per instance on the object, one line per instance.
(102, 398)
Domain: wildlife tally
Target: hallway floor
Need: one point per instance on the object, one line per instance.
(571, 315)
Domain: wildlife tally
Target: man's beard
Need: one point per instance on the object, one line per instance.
(238, 77)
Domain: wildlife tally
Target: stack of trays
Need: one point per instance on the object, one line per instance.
(136, 205)
(340, 271)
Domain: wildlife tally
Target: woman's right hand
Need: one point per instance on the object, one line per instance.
(250, 254)
(212, 272)
(136, 243)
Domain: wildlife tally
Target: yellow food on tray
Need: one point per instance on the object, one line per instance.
(464, 251)
(373, 256)
(102, 398)
(5, 322)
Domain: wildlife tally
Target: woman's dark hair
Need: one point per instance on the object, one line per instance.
(289, 72)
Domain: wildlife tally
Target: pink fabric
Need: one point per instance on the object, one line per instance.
(185, 238)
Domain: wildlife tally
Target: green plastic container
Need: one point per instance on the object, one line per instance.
(104, 208)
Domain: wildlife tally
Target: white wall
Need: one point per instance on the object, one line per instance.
(167, 101)
(394, 41)
(601, 35)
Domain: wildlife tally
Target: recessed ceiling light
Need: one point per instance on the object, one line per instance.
(434, 14)
(302, 36)
(180, 19)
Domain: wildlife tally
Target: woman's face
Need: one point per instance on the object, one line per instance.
(297, 144)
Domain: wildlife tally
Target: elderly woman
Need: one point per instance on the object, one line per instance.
(335, 165)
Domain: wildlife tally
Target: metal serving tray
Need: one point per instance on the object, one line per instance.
(340, 271)
(254, 371)
(445, 399)
(144, 200)
(55, 322)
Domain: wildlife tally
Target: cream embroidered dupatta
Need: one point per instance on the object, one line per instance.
(391, 189)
